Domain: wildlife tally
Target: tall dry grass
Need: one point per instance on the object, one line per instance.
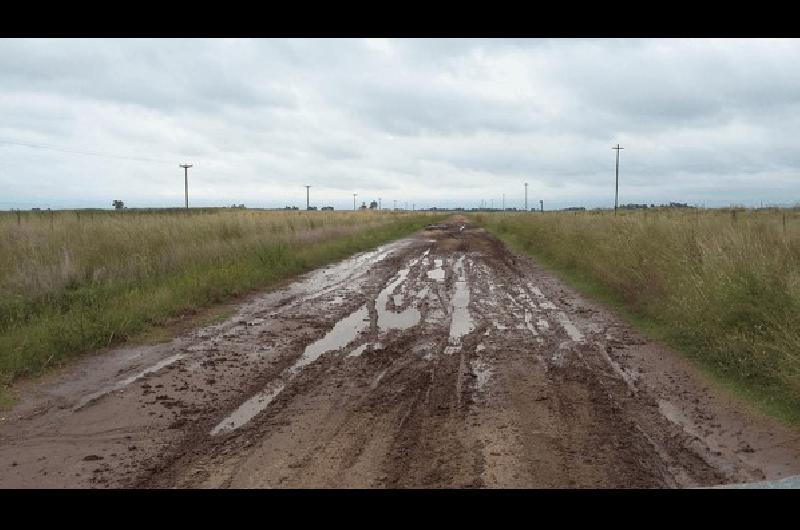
(75, 281)
(723, 286)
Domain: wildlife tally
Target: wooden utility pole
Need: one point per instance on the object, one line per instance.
(616, 185)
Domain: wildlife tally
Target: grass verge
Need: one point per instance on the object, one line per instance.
(42, 332)
(722, 289)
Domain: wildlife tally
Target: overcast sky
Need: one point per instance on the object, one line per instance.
(429, 122)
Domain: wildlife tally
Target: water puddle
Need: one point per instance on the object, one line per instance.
(461, 320)
(342, 334)
(358, 351)
(125, 382)
(388, 319)
(438, 272)
(248, 410)
(569, 327)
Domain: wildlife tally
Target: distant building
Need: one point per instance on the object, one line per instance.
(327, 208)
(575, 209)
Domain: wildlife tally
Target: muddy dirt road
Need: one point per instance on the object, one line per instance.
(441, 360)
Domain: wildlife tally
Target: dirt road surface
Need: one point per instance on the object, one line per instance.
(440, 360)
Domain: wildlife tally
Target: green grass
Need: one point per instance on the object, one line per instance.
(81, 285)
(722, 288)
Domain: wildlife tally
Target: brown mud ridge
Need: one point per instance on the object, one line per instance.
(440, 360)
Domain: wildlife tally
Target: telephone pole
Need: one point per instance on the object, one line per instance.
(354, 201)
(616, 185)
(526, 196)
(186, 181)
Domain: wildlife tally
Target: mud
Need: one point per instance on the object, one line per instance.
(441, 360)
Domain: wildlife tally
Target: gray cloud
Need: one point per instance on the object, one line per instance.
(429, 121)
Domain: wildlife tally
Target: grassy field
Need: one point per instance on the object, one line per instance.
(72, 282)
(722, 286)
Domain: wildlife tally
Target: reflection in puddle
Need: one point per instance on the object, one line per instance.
(461, 321)
(438, 272)
(388, 319)
(342, 334)
(248, 410)
(569, 327)
(125, 382)
(358, 351)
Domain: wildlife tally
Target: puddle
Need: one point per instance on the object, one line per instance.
(248, 410)
(343, 333)
(391, 319)
(461, 320)
(125, 382)
(438, 272)
(569, 327)
(358, 351)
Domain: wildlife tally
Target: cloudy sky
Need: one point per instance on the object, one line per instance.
(427, 122)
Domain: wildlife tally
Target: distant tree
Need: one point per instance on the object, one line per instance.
(373, 205)
(118, 204)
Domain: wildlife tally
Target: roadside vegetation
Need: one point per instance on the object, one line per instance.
(72, 282)
(722, 286)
